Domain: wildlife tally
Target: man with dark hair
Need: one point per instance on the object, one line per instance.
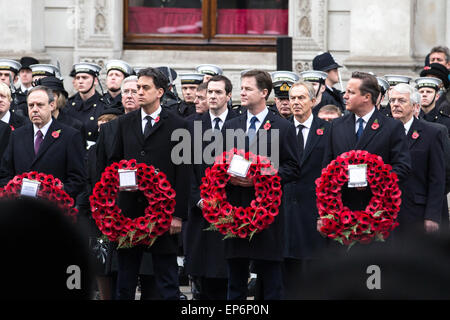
(439, 54)
(365, 128)
(189, 84)
(145, 135)
(265, 249)
(205, 250)
(45, 145)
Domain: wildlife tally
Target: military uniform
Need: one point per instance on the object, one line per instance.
(318, 77)
(89, 110)
(282, 82)
(127, 71)
(184, 109)
(18, 103)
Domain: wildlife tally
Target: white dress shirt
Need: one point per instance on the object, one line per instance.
(6, 117)
(408, 125)
(260, 116)
(44, 130)
(154, 115)
(307, 126)
(222, 118)
(366, 119)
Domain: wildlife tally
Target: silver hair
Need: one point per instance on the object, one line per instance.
(129, 79)
(307, 85)
(48, 91)
(403, 88)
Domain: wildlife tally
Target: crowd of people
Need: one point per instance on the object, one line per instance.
(75, 138)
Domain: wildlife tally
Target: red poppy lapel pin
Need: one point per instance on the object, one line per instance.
(157, 119)
(12, 128)
(267, 125)
(319, 131)
(415, 135)
(375, 125)
(55, 134)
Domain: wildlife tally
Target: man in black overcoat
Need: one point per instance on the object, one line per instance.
(303, 242)
(45, 146)
(265, 249)
(145, 135)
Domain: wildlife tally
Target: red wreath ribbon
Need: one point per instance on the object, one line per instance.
(50, 189)
(235, 221)
(142, 230)
(379, 217)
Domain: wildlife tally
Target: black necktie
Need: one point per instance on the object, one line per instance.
(216, 126)
(148, 126)
(301, 142)
(360, 129)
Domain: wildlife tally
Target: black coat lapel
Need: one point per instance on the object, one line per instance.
(372, 128)
(158, 122)
(136, 127)
(312, 139)
(28, 140)
(414, 133)
(53, 133)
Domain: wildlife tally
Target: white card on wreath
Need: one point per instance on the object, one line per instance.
(357, 175)
(127, 180)
(239, 166)
(30, 188)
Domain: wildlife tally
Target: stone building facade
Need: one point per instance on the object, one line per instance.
(381, 36)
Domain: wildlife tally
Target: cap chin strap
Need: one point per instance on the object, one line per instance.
(318, 90)
(92, 85)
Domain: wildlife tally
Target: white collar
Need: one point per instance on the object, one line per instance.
(260, 116)
(222, 117)
(366, 118)
(307, 123)
(154, 115)
(408, 124)
(6, 117)
(44, 129)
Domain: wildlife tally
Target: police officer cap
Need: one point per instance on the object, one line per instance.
(394, 79)
(437, 70)
(282, 83)
(384, 85)
(11, 65)
(191, 78)
(26, 62)
(47, 70)
(428, 82)
(53, 83)
(325, 62)
(121, 66)
(87, 67)
(209, 69)
(314, 76)
(165, 71)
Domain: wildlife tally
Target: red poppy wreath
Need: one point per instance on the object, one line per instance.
(379, 217)
(142, 230)
(235, 221)
(50, 189)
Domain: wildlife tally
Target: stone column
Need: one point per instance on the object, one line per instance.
(22, 28)
(307, 27)
(99, 31)
(381, 36)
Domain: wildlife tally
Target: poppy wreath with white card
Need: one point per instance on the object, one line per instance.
(234, 221)
(358, 169)
(127, 175)
(42, 186)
